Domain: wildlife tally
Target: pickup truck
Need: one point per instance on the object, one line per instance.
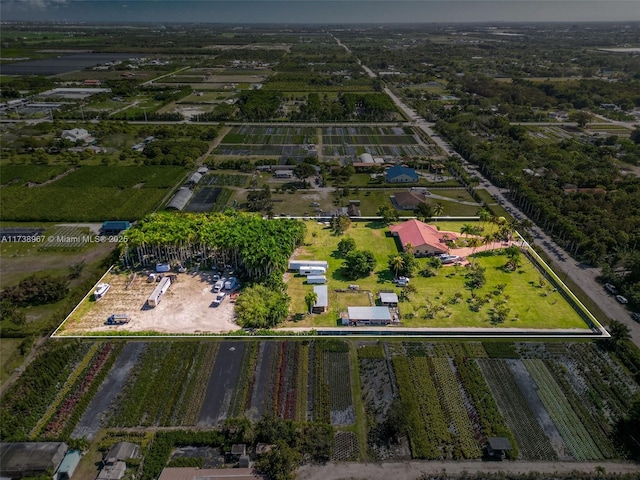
(118, 319)
(219, 299)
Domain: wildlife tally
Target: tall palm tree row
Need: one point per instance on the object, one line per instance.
(255, 247)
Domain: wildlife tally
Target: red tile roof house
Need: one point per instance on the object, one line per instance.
(425, 239)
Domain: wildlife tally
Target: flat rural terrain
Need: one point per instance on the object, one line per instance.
(187, 307)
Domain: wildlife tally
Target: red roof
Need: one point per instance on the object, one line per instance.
(418, 234)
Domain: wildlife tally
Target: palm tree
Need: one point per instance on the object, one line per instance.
(466, 229)
(310, 300)
(438, 209)
(408, 248)
(474, 243)
(484, 215)
(396, 263)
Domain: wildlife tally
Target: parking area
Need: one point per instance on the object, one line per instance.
(186, 308)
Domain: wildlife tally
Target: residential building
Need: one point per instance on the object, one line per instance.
(400, 174)
(424, 239)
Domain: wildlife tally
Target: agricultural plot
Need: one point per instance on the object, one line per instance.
(522, 421)
(92, 194)
(451, 401)
(271, 141)
(378, 141)
(21, 174)
(204, 199)
(165, 387)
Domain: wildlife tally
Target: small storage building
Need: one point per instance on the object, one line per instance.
(498, 447)
(68, 465)
(317, 279)
(113, 227)
(389, 299)
(322, 303)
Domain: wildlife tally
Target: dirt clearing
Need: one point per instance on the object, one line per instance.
(186, 308)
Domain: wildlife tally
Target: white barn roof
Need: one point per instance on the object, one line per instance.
(369, 313)
(388, 297)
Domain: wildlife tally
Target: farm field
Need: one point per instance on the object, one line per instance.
(335, 141)
(86, 194)
(439, 301)
(454, 395)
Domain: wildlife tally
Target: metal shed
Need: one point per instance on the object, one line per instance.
(180, 199)
(369, 315)
(322, 303)
(389, 299)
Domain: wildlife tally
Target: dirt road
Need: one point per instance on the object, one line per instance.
(411, 470)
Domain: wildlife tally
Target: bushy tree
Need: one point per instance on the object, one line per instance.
(346, 245)
(261, 307)
(388, 213)
(340, 223)
(279, 463)
(359, 264)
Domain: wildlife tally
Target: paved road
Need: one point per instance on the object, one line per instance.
(411, 470)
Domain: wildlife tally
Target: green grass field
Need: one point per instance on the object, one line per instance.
(442, 300)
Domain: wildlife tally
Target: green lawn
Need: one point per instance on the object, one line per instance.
(530, 305)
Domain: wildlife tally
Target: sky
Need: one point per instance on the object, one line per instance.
(320, 11)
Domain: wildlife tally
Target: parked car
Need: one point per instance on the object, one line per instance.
(621, 299)
(611, 289)
(402, 281)
(219, 299)
(636, 316)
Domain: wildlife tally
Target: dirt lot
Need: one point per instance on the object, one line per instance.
(187, 307)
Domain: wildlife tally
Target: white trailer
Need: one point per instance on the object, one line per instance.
(317, 279)
(158, 292)
(310, 270)
(296, 264)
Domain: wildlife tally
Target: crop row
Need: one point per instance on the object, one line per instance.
(571, 429)
(151, 395)
(21, 174)
(192, 396)
(302, 380)
(28, 399)
(74, 405)
(421, 446)
(450, 396)
(592, 418)
(69, 383)
(433, 418)
(613, 386)
(532, 441)
(243, 385)
(489, 418)
(321, 407)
